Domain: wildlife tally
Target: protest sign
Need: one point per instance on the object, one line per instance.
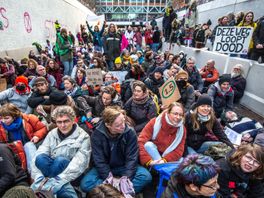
(169, 92)
(233, 136)
(119, 75)
(3, 84)
(96, 20)
(232, 40)
(94, 77)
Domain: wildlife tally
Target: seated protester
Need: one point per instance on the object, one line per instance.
(155, 81)
(140, 57)
(97, 64)
(209, 73)
(196, 177)
(11, 172)
(148, 61)
(81, 82)
(71, 88)
(109, 79)
(176, 60)
(7, 71)
(168, 61)
(159, 62)
(118, 65)
(238, 82)
(54, 70)
(194, 76)
(163, 138)
(242, 172)
(17, 126)
(172, 71)
(186, 90)
(93, 106)
(222, 95)
(115, 150)
(126, 58)
(18, 95)
(243, 125)
(105, 191)
(140, 107)
(135, 72)
(80, 64)
(30, 72)
(41, 72)
(63, 156)
(203, 128)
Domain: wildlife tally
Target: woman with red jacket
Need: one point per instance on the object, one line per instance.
(17, 126)
(163, 138)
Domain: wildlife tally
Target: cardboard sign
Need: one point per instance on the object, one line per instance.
(169, 92)
(3, 84)
(232, 40)
(96, 20)
(120, 75)
(94, 77)
(233, 136)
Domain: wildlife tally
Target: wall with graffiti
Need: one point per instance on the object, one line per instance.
(25, 22)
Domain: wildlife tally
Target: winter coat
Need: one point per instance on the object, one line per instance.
(138, 38)
(164, 139)
(238, 85)
(11, 173)
(196, 138)
(131, 75)
(154, 84)
(195, 78)
(148, 37)
(209, 76)
(51, 80)
(112, 46)
(32, 127)
(8, 72)
(233, 180)
(147, 64)
(110, 152)
(57, 76)
(156, 36)
(140, 113)
(76, 148)
(221, 102)
(64, 48)
(187, 96)
(97, 36)
(258, 36)
(21, 101)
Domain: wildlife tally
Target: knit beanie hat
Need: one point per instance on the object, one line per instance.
(40, 80)
(182, 74)
(203, 99)
(224, 78)
(158, 69)
(21, 79)
(118, 60)
(58, 98)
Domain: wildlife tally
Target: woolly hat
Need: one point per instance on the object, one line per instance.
(21, 79)
(204, 99)
(224, 78)
(118, 60)
(182, 74)
(58, 98)
(40, 80)
(158, 69)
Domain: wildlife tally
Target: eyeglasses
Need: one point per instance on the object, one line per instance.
(248, 158)
(177, 114)
(59, 122)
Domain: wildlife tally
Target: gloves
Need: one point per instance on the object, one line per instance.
(37, 183)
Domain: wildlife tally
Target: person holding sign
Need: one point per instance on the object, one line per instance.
(163, 138)
(203, 128)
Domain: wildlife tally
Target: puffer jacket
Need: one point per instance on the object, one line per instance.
(76, 148)
(195, 78)
(112, 46)
(113, 152)
(21, 101)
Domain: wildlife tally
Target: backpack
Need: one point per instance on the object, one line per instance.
(18, 150)
(126, 90)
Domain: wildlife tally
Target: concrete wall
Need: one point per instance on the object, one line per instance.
(254, 93)
(27, 21)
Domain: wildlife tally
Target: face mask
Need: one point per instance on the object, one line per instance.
(21, 87)
(202, 118)
(181, 83)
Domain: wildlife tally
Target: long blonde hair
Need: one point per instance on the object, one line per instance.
(196, 124)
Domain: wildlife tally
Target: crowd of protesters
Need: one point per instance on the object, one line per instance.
(63, 136)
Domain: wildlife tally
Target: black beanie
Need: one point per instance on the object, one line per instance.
(58, 98)
(224, 78)
(204, 99)
(158, 69)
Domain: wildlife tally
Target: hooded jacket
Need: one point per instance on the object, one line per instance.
(112, 46)
(114, 152)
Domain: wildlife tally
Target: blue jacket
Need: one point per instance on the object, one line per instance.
(114, 152)
(97, 36)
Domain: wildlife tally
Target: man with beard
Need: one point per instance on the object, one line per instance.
(238, 82)
(41, 72)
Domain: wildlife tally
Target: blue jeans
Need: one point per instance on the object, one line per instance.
(92, 178)
(53, 167)
(204, 147)
(30, 151)
(152, 150)
(68, 65)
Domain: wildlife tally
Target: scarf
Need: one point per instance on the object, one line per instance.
(202, 118)
(178, 138)
(141, 100)
(71, 92)
(15, 130)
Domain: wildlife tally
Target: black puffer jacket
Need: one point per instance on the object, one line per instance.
(154, 84)
(258, 35)
(112, 46)
(187, 96)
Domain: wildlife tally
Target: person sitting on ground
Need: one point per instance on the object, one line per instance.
(109, 79)
(163, 138)
(140, 107)
(195, 177)
(63, 156)
(18, 95)
(115, 150)
(222, 95)
(209, 74)
(8, 72)
(54, 70)
(171, 72)
(242, 172)
(105, 191)
(93, 106)
(148, 60)
(71, 88)
(79, 64)
(238, 82)
(135, 72)
(30, 72)
(118, 65)
(17, 126)
(186, 89)
(11, 172)
(246, 126)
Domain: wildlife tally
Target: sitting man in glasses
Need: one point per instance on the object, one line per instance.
(196, 177)
(63, 156)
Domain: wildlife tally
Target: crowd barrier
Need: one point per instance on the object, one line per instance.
(253, 71)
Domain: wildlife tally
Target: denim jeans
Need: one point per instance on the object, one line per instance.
(92, 178)
(204, 147)
(152, 150)
(53, 167)
(30, 151)
(68, 66)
